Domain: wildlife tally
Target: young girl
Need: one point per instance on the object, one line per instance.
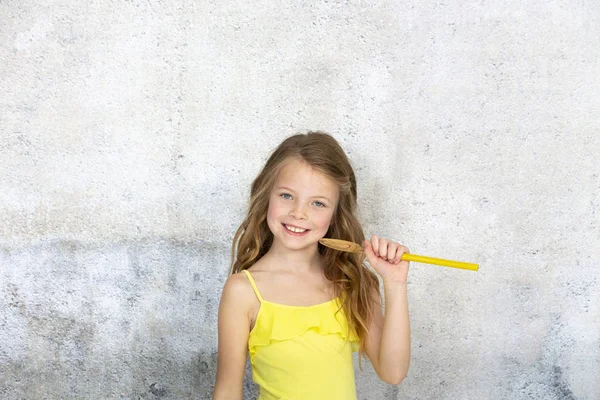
(298, 308)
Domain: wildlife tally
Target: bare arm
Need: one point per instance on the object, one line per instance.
(388, 341)
(234, 328)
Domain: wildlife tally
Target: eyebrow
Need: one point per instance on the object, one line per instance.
(313, 197)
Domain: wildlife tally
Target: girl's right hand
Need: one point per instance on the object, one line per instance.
(385, 256)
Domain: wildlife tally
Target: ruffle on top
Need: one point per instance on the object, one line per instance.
(278, 322)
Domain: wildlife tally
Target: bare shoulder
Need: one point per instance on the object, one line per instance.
(238, 280)
(238, 301)
(238, 289)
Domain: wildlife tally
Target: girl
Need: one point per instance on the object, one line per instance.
(298, 308)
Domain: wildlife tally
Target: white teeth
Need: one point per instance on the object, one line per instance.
(297, 230)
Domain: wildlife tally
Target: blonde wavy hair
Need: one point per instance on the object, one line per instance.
(353, 282)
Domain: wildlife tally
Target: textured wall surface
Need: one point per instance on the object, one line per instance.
(131, 130)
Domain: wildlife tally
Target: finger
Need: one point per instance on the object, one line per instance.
(398, 248)
(375, 244)
(401, 251)
(393, 249)
(369, 252)
(398, 257)
(383, 249)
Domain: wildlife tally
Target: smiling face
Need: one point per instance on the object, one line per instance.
(302, 203)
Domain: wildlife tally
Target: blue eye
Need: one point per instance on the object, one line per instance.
(286, 194)
(319, 204)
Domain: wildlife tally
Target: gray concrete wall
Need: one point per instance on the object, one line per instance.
(131, 130)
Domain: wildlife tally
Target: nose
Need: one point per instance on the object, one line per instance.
(298, 212)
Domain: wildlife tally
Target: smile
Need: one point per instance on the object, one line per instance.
(293, 229)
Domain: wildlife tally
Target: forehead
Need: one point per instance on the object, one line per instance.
(296, 174)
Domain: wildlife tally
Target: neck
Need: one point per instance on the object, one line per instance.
(302, 260)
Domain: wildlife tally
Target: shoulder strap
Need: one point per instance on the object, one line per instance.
(254, 286)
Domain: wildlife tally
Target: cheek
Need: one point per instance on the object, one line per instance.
(324, 221)
(270, 211)
(273, 212)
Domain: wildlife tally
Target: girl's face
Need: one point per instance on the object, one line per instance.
(301, 205)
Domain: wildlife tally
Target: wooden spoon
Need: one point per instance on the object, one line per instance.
(351, 247)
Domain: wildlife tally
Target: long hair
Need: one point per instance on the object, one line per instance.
(353, 282)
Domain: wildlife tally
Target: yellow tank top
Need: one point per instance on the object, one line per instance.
(302, 353)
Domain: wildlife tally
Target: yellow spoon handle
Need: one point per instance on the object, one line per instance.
(344, 245)
(440, 261)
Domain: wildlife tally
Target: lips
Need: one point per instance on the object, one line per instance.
(296, 230)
